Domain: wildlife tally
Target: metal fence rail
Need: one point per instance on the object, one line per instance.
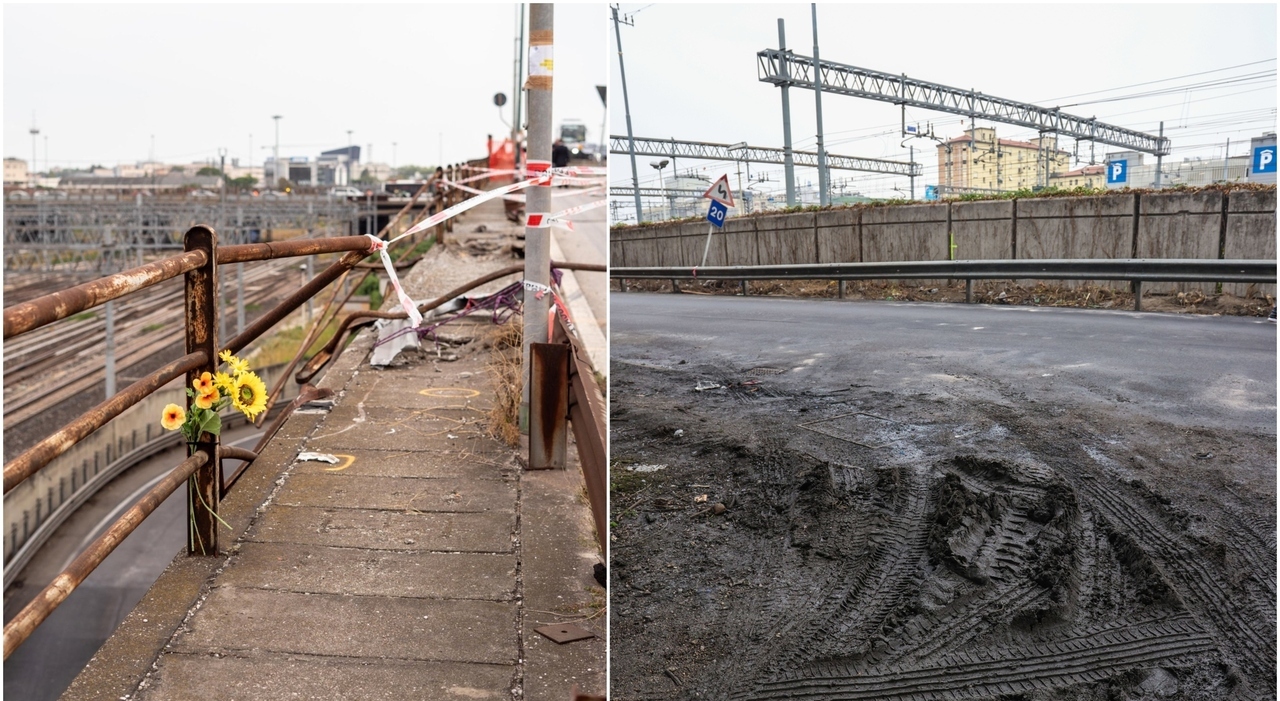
(1135, 270)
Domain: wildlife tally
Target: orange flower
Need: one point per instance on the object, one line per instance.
(173, 417)
(205, 400)
(203, 384)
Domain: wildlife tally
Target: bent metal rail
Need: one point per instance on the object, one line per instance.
(1135, 270)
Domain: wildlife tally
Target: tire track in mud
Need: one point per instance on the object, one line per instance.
(961, 625)
(1199, 589)
(1095, 654)
(863, 596)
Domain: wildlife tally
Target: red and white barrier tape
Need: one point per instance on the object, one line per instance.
(410, 308)
(467, 204)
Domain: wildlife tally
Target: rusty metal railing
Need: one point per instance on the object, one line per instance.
(198, 263)
(202, 469)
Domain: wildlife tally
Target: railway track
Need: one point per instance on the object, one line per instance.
(61, 361)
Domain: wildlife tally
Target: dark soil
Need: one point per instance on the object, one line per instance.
(879, 545)
(1003, 292)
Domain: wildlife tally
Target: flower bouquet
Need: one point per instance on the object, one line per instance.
(211, 393)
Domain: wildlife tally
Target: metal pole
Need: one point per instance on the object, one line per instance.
(626, 106)
(1159, 159)
(912, 167)
(824, 178)
(111, 350)
(537, 268)
(1226, 160)
(789, 161)
(275, 164)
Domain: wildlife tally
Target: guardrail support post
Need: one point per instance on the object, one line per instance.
(203, 486)
(968, 291)
(1137, 295)
(548, 405)
(840, 289)
(744, 288)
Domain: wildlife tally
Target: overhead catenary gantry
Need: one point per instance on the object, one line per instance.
(757, 154)
(781, 67)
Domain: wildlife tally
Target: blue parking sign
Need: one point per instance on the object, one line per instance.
(1117, 172)
(1264, 159)
(717, 212)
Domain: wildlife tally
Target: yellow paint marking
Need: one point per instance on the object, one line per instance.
(343, 466)
(450, 392)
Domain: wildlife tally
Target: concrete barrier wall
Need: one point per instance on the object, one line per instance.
(1251, 234)
(1167, 224)
(839, 236)
(1176, 225)
(1076, 227)
(908, 232)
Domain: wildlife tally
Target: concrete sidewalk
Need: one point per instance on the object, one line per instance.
(416, 567)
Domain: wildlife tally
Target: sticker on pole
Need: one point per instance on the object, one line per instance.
(720, 191)
(717, 212)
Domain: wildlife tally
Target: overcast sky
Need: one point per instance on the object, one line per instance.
(102, 79)
(691, 74)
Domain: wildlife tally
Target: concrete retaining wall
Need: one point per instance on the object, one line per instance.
(1169, 224)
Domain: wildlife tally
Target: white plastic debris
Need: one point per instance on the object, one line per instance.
(318, 457)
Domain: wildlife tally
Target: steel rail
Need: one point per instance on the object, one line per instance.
(295, 300)
(247, 252)
(35, 612)
(24, 317)
(44, 452)
(1133, 269)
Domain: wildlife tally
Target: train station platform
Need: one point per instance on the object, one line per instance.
(418, 565)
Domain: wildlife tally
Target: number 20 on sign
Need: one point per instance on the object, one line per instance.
(717, 212)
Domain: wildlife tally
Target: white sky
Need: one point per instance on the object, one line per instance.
(102, 79)
(691, 74)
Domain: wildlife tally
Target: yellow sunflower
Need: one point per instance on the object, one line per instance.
(203, 384)
(249, 395)
(236, 364)
(173, 417)
(224, 382)
(205, 400)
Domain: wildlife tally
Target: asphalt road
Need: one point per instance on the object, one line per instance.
(1179, 368)
(45, 665)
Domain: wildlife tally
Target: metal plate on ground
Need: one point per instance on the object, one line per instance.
(566, 633)
(765, 371)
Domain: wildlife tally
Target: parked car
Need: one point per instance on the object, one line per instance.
(202, 194)
(346, 192)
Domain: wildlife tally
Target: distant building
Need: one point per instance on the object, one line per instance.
(982, 162)
(1088, 176)
(15, 171)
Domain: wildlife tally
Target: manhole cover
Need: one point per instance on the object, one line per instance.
(765, 371)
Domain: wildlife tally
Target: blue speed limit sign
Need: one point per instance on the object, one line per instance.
(717, 212)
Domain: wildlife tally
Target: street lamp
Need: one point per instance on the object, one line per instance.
(658, 166)
(275, 162)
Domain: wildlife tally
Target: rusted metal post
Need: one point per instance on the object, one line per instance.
(548, 405)
(203, 487)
